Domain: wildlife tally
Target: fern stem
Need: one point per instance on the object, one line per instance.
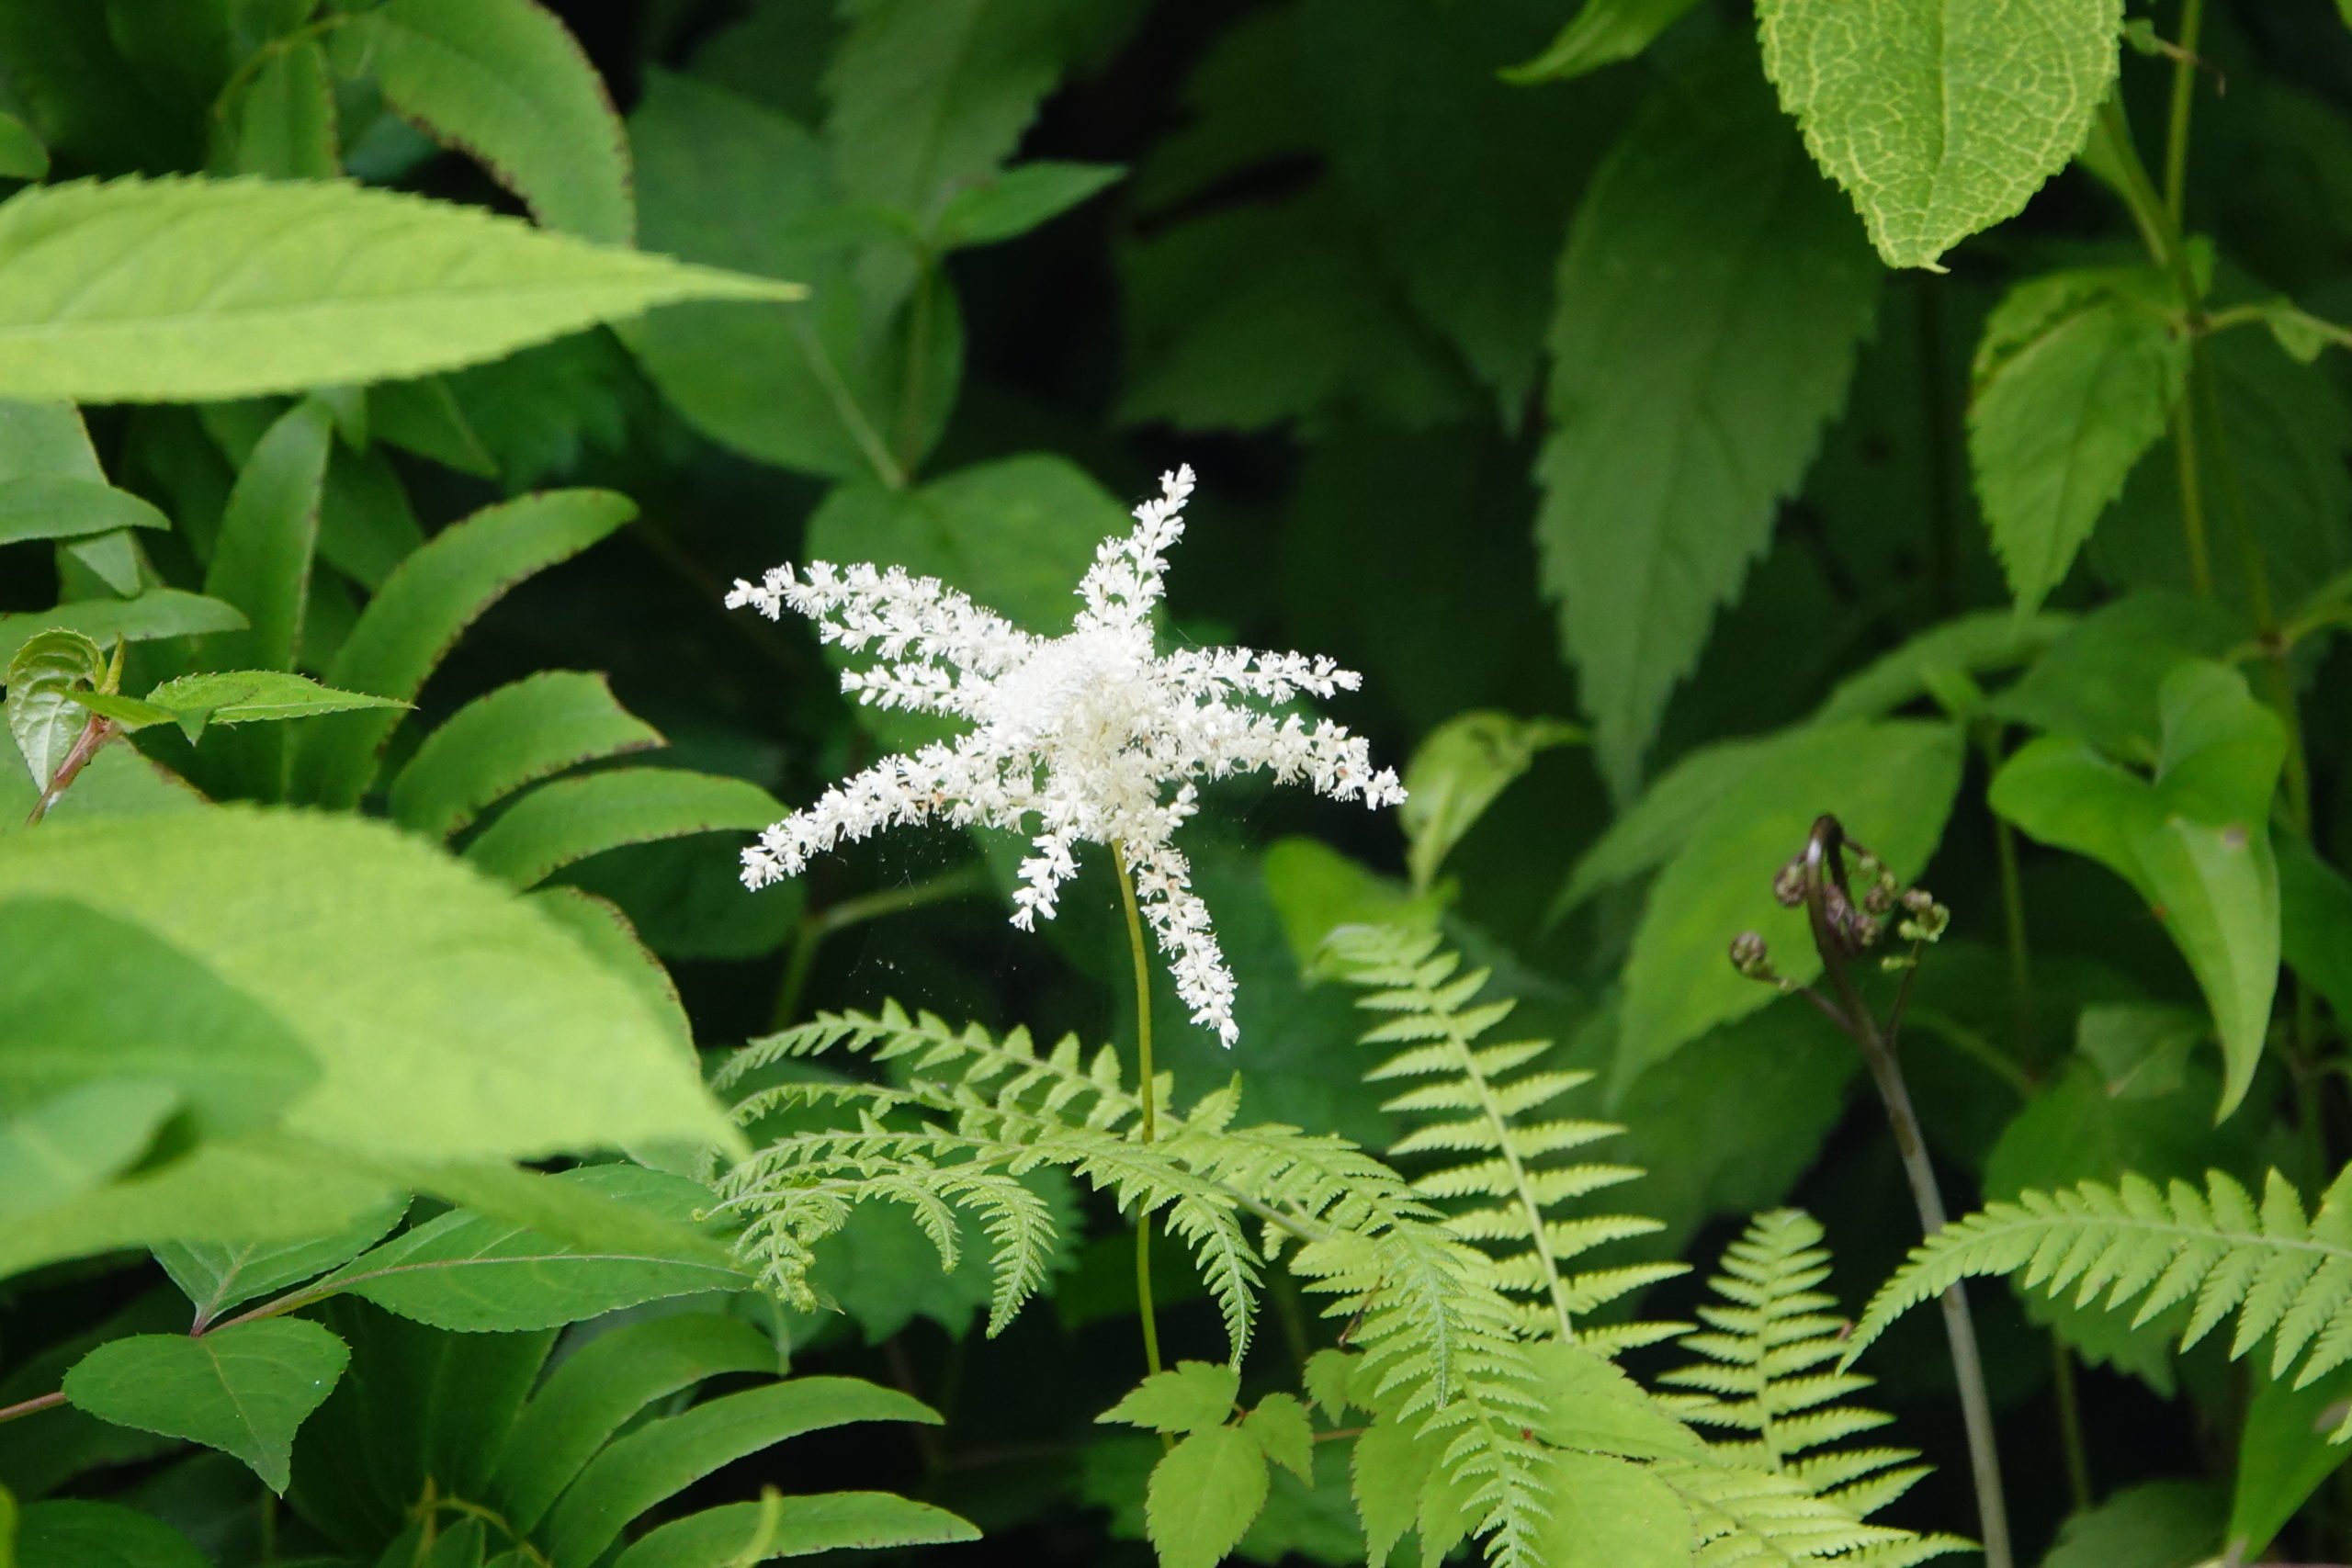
(1150, 1094)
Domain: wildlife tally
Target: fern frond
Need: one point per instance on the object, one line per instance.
(2287, 1277)
(1746, 1516)
(1474, 1093)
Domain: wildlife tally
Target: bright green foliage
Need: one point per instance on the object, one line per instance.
(1204, 1496)
(503, 80)
(42, 715)
(99, 1534)
(736, 1533)
(2194, 841)
(217, 1276)
(269, 534)
(572, 818)
(1763, 1375)
(230, 696)
(2287, 1447)
(156, 614)
(2073, 379)
(1190, 1396)
(509, 737)
(234, 288)
(77, 1138)
(283, 123)
(2285, 1276)
(59, 506)
(1610, 1513)
(1456, 774)
(1939, 117)
(1712, 268)
(1476, 1108)
(244, 1388)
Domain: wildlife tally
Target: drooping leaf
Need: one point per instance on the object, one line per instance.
(1939, 119)
(182, 290)
(663, 1457)
(424, 607)
(830, 1521)
(1456, 773)
(1203, 1497)
(1602, 32)
(2074, 380)
(479, 1274)
(1709, 302)
(42, 715)
(1892, 786)
(243, 1389)
(2194, 841)
(572, 818)
(588, 1398)
(1188, 1397)
(63, 1533)
(260, 560)
(217, 1275)
(77, 1138)
(60, 506)
(504, 80)
(156, 614)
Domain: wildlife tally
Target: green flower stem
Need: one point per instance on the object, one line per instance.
(1150, 1093)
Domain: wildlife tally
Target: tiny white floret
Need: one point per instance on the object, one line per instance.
(1091, 737)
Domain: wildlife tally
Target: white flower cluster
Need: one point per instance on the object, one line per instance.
(1080, 738)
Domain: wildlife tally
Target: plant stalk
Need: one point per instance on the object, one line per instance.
(1150, 1094)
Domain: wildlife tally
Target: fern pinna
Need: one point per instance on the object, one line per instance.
(1504, 1194)
(1438, 1343)
(1764, 1351)
(2286, 1275)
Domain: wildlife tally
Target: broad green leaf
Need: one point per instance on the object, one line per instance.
(1204, 1496)
(1456, 773)
(78, 1138)
(592, 1392)
(1315, 890)
(1602, 32)
(930, 95)
(1983, 642)
(243, 1389)
(685, 897)
(452, 1024)
(1191, 1396)
(2194, 841)
(1390, 1466)
(1018, 199)
(73, 1534)
(1607, 1513)
(1709, 302)
(476, 1273)
(663, 1458)
(504, 80)
(285, 121)
(1892, 786)
(60, 506)
(46, 440)
(2099, 681)
(1590, 1405)
(422, 609)
(22, 157)
(42, 715)
(182, 290)
(2074, 383)
(229, 696)
(509, 737)
(1938, 118)
(1279, 1425)
(572, 818)
(261, 561)
(2157, 1524)
(2315, 923)
(1654, 827)
(2285, 1452)
(830, 1521)
(2138, 1050)
(156, 614)
(216, 1276)
(602, 928)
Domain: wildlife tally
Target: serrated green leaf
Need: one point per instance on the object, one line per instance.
(1018, 199)
(1280, 1427)
(2100, 680)
(73, 1141)
(252, 696)
(593, 1392)
(2074, 385)
(156, 614)
(42, 716)
(1607, 1513)
(424, 607)
(572, 818)
(216, 1276)
(244, 1389)
(182, 290)
(479, 1274)
(1938, 118)
(1602, 32)
(73, 1534)
(504, 80)
(1710, 304)
(605, 930)
(60, 506)
(1325, 1380)
(285, 121)
(22, 157)
(2194, 841)
(1456, 773)
(663, 1457)
(1205, 1493)
(1188, 1397)
(512, 736)
(830, 1521)
(260, 560)
(1892, 784)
